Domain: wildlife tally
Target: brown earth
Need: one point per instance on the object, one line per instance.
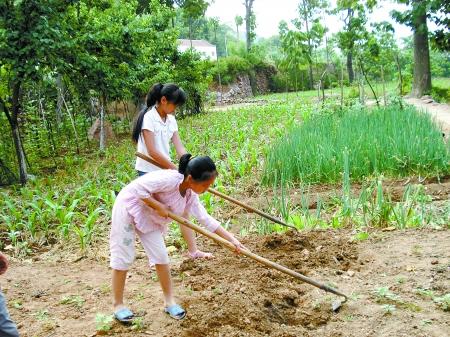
(234, 296)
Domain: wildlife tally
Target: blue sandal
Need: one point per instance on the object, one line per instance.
(175, 311)
(124, 315)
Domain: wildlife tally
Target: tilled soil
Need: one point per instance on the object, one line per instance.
(234, 296)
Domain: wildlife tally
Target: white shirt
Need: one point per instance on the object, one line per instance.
(162, 132)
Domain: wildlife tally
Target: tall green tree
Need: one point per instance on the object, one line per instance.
(113, 49)
(238, 20)
(416, 17)
(353, 15)
(33, 37)
(295, 50)
(250, 23)
(192, 11)
(310, 12)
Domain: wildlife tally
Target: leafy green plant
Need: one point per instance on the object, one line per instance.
(384, 293)
(103, 322)
(361, 236)
(73, 300)
(138, 324)
(443, 302)
(389, 309)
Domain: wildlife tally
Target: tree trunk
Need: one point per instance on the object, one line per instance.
(14, 124)
(351, 74)
(287, 89)
(48, 127)
(226, 47)
(248, 18)
(400, 78)
(318, 91)
(72, 120)
(20, 154)
(59, 99)
(384, 85)
(311, 79)
(102, 124)
(422, 72)
(296, 90)
(237, 32)
(16, 134)
(368, 82)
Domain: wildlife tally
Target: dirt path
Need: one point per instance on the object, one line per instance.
(439, 112)
(231, 296)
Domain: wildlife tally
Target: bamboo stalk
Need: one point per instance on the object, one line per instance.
(224, 196)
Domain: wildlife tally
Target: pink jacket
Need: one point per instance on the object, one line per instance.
(163, 186)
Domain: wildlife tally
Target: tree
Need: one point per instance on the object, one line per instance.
(386, 58)
(192, 11)
(295, 48)
(353, 14)
(32, 39)
(110, 53)
(309, 21)
(416, 18)
(238, 20)
(250, 23)
(439, 14)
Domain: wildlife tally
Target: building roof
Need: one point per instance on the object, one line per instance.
(195, 43)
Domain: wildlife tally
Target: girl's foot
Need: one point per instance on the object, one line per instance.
(175, 311)
(198, 254)
(124, 315)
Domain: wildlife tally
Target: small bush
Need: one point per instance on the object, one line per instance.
(229, 68)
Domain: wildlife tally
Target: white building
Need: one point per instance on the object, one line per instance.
(206, 49)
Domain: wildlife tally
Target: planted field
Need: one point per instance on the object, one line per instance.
(356, 209)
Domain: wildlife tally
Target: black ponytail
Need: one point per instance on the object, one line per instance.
(199, 168)
(154, 95)
(173, 93)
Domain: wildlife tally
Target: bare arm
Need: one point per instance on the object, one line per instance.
(179, 148)
(222, 232)
(149, 140)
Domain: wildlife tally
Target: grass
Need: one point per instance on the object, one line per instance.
(380, 141)
(440, 90)
(443, 82)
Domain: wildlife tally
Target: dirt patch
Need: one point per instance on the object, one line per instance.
(254, 301)
(233, 296)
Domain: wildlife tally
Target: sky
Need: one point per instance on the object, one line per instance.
(269, 13)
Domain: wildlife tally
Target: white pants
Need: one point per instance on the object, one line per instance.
(122, 240)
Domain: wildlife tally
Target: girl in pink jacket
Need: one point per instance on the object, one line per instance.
(175, 191)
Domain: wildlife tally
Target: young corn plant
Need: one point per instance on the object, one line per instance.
(86, 230)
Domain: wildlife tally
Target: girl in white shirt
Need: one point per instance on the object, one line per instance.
(155, 127)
